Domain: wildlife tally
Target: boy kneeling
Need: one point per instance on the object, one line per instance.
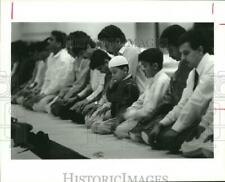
(121, 93)
(156, 86)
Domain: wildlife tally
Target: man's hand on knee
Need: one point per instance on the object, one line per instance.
(154, 134)
(170, 136)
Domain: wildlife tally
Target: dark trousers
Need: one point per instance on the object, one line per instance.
(30, 100)
(173, 144)
(56, 107)
(77, 117)
(61, 109)
(145, 126)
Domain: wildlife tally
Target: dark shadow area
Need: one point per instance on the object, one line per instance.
(39, 143)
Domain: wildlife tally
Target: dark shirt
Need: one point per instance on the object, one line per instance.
(175, 90)
(23, 74)
(122, 95)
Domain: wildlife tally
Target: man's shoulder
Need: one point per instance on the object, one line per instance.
(211, 61)
(163, 76)
(182, 71)
(208, 66)
(64, 55)
(132, 49)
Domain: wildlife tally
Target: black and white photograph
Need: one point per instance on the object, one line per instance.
(112, 90)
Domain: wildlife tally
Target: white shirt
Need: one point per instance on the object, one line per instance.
(193, 104)
(59, 72)
(97, 81)
(207, 119)
(155, 89)
(40, 75)
(170, 65)
(81, 73)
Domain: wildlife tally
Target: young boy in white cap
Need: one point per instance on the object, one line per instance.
(121, 93)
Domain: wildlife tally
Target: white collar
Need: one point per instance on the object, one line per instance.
(58, 53)
(157, 75)
(128, 76)
(203, 62)
(122, 49)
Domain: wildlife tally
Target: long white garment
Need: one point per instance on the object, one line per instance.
(59, 72)
(193, 104)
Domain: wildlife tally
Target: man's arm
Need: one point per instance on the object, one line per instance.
(196, 105)
(82, 80)
(172, 116)
(98, 91)
(157, 92)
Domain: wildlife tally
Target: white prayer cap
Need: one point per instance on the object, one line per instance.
(118, 61)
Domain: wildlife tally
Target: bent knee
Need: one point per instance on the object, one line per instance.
(121, 132)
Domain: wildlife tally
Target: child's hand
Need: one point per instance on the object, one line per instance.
(130, 114)
(103, 110)
(83, 103)
(74, 107)
(80, 105)
(63, 92)
(90, 108)
(68, 95)
(70, 100)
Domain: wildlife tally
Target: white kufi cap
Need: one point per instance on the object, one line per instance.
(118, 61)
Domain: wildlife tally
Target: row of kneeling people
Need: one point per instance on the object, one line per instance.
(116, 89)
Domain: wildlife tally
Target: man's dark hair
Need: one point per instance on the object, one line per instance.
(43, 44)
(111, 33)
(195, 38)
(151, 56)
(38, 46)
(171, 35)
(60, 37)
(33, 47)
(98, 58)
(207, 30)
(80, 41)
(19, 49)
